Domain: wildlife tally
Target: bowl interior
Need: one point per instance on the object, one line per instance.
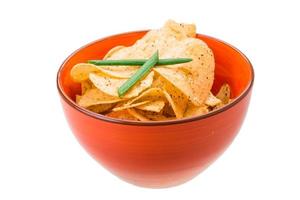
(232, 66)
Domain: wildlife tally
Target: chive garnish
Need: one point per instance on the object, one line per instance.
(138, 62)
(140, 73)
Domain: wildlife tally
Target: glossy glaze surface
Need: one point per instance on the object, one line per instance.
(166, 153)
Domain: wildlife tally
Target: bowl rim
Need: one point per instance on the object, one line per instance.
(152, 123)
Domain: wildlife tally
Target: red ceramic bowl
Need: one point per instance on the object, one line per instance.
(166, 153)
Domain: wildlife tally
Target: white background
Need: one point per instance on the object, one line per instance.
(39, 156)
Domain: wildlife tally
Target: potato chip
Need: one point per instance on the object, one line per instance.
(80, 72)
(122, 114)
(137, 115)
(168, 111)
(126, 106)
(162, 40)
(100, 108)
(85, 86)
(176, 77)
(153, 116)
(199, 74)
(175, 97)
(177, 105)
(121, 103)
(193, 110)
(224, 93)
(180, 31)
(112, 51)
(117, 71)
(158, 117)
(111, 85)
(189, 29)
(77, 98)
(151, 94)
(212, 100)
(123, 72)
(154, 106)
(95, 97)
(201, 69)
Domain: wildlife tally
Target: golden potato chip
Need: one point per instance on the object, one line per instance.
(85, 86)
(151, 94)
(158, 117)
(100, 108)
(189, 29)
(122, 114)
(111, 85)
(168, 111)
(94, 97)
(112, 51)
(137, 115)
(176, 77)
(126, 106)
(77, 98)
(193, 110)
(162, 40)
(201, 69)
(175, 97)
(224, 93)
(154, 116)
(212, 100)
(179, 30)
(199, 74)
(177, 100)
(154, 106)
(117, 71)
(178, 103)
(123, 72)
(80, 72)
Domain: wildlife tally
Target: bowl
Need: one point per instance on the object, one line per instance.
(166, 153)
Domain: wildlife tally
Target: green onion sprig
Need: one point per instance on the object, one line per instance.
(140, 73)
(139, 62)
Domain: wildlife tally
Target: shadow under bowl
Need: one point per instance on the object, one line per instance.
(166, 153)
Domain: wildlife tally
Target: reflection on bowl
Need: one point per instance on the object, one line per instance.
(165, 153)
